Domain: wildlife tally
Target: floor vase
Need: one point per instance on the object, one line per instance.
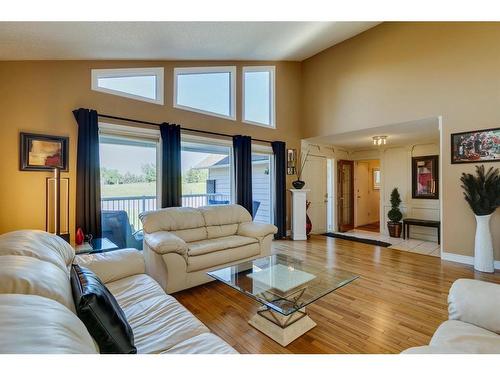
(483, 249)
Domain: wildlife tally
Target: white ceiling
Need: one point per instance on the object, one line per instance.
(294, 41)
(418, 131)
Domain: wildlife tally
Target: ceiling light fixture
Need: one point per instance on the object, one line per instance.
(379, 140)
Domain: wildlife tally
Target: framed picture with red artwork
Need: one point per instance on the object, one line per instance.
(39, 152)
(425, 177)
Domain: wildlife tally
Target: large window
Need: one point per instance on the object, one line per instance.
(258, 95)
(206, 172)
(262, 185)
(128, 163)
(208, 90)
(145, 84)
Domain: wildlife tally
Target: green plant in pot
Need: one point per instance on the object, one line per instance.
(298, 183)
(394, 224)
(482, 193)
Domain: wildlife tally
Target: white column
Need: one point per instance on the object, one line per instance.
(299, 214)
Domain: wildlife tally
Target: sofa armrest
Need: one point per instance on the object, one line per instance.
(475, 302)
(113, 265)
(256, 230)
(164, 242)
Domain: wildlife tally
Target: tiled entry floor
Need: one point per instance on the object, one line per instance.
(412, 245)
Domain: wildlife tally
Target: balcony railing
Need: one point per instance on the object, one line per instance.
(136, 204)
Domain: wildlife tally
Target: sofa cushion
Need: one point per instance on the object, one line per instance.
(215, 231)
(217, 244)
(220, 258)
(158, 321)
(190, 235)
(113, 265)
(465, 338)
(225, 214)
(26, 275)
(206, 343)
(35, 325)
(38, 244)
(171, 219)
(100, 313)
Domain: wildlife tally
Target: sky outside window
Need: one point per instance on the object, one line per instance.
(209, 92)
(257, 97)
(144, 86)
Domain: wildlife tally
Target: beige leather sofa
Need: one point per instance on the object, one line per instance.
(474, 321)
(37, 313)
(181, 243)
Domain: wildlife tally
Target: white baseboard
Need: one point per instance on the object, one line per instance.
(464, 259)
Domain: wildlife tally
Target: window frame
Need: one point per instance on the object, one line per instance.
(158, 72)
(205, 70)
(271, 69)
(209, 141)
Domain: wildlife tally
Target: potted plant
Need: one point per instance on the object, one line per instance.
(482, 192)
(394, 224)
(298, 183)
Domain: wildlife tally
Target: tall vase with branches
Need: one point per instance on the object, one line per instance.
(482, 193)
(298, 183)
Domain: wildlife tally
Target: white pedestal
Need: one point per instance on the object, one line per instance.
(299, 214)
(278, 328)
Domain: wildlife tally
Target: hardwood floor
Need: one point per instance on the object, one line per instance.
(398, 301)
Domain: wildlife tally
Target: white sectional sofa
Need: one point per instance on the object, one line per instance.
(181, 243)
(37, 313)
(474, 321)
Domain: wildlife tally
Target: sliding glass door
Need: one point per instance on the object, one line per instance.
(129, 184)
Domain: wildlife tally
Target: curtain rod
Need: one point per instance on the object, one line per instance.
(182, 128)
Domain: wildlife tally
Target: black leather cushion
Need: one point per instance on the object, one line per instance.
(98, 310)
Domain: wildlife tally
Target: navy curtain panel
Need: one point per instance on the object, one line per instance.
(279, 150)
(88, 176)
(171, 184)
(242, 149)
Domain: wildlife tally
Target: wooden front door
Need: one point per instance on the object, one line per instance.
(345, 200)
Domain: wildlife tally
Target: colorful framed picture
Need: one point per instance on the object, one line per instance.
(425, 177)
(43, 152)
(478, 146)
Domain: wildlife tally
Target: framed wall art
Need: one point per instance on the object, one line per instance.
(40, 152)
(425, 177)
(477, 146)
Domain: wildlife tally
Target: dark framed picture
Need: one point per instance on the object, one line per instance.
(40, 152)
(425, 177)
(477, 146)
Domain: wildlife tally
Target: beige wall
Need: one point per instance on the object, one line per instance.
(39, 97)
(398, 72)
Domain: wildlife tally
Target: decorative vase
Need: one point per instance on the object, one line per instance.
(483, 248)
(394, 228)
(308, 225)
(298, 184)
(308, 220)
(79, 236)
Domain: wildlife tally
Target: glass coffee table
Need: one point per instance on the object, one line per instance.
(285, 286)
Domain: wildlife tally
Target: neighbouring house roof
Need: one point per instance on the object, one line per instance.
(221, 161)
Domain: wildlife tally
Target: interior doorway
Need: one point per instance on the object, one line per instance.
(367, 195)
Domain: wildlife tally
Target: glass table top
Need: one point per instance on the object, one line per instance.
(283, 283)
